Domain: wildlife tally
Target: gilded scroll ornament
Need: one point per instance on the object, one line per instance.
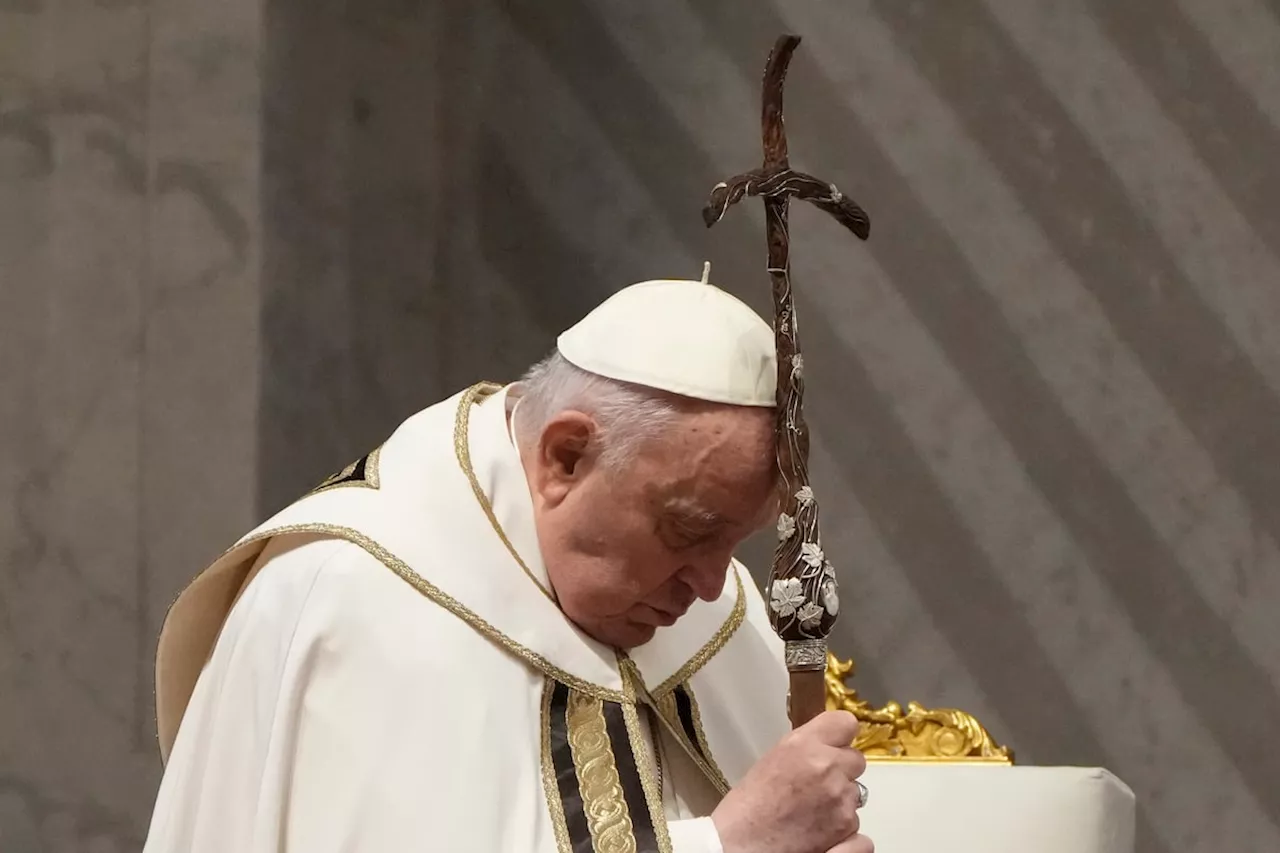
(915, 733)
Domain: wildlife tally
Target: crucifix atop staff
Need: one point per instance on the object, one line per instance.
(803, 593)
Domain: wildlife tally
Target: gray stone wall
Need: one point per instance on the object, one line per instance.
(129, 372)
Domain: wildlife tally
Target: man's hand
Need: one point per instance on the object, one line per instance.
(801, 797)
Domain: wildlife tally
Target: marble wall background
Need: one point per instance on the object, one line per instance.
(240, 241)
(130, 241)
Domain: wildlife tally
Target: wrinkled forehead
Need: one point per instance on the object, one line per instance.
(738, 440)
(714, 462)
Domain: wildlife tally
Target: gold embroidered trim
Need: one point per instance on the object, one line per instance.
(633, 684)
(368, 481)
(702, 737)
(550, 784)
(666, 706)
(655, 737)
(603, 801)
(448, 602)
(652, 788)
(717, 641)
(462, 449)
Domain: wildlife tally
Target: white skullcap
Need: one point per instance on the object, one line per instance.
(686, 337)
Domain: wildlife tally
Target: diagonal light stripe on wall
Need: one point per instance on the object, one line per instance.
(1159, 169)
(641, 128)
(1181, 342)
(1244, 35)
(1066, 335)
(578, 167)
(1180, 70)
(883, 618)
(1209, 665)
(703, 90)
(1043, 568)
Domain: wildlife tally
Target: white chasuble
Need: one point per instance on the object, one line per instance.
(376, 669)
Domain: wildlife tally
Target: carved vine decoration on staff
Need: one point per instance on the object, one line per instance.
(803, 591)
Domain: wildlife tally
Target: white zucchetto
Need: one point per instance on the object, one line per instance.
(686, 337)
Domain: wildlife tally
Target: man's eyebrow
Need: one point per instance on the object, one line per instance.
(689, 511)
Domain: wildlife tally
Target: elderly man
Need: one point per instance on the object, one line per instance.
(516, 626)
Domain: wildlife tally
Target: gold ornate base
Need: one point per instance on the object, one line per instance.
(916, 734)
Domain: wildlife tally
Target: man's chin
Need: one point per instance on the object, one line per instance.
(639, 635)
(623, 634)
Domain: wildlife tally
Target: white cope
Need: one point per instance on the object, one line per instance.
(371, 670)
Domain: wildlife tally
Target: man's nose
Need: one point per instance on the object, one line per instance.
(706, 577)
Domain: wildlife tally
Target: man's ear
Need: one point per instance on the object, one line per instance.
(565, 452)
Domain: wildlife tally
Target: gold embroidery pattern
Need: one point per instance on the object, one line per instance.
(549, 784)
(652, 788)
(603, 800)
(665, 705)
(702, 737)
(448, 602)
(662, 712)
(462, 449)
(708, 651)
(348, 478)
(633, 683)
(655, 737)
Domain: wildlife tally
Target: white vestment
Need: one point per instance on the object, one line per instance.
(372, 670)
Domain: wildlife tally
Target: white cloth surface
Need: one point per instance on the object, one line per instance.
(959, 808)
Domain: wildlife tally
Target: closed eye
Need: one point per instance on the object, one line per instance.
(679, 535)
(686, 527)
(692, 538)
(685, 535)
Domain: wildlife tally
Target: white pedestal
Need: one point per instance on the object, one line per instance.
(961, 808)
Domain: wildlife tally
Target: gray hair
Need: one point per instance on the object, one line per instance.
(627, 415)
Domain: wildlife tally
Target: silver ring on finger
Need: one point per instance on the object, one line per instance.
(863, 794)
